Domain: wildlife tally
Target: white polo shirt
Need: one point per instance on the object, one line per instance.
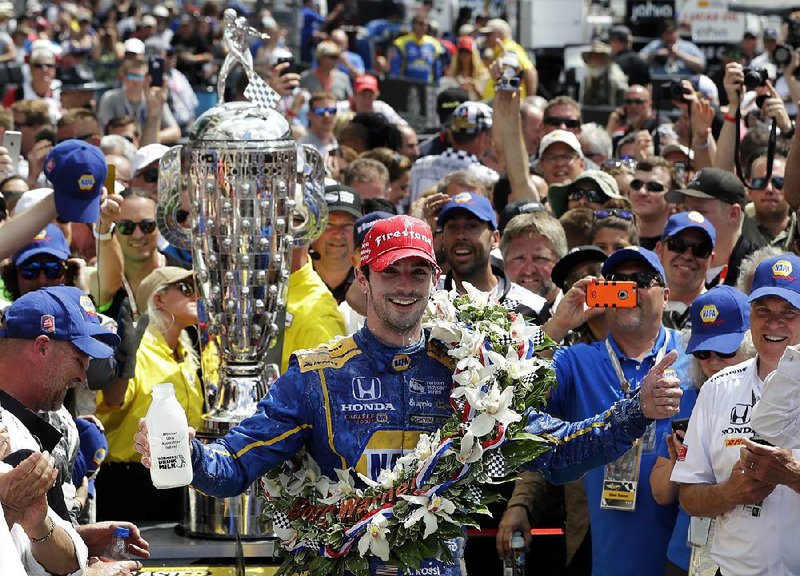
(744, 544)
(776, 417)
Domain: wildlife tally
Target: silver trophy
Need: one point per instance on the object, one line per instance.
(254, 194)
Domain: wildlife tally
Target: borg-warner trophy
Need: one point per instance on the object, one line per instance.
(253, 194)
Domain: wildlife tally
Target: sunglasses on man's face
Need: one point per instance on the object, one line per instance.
(592, 196)
(679, 245)
(651, 186)
(706, 354)
(558, 121)
(43, 65)
(52, 270)
(603, 214)
(761, 183)
(322, 111)
(631, 101)
(150, 176)
(127, 227)
(644, 280)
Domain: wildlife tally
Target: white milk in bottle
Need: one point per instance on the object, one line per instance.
(168, 434)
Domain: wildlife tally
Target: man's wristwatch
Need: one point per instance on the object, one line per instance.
(103, 235)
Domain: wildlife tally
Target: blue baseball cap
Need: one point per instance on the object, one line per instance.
(681, 221)
(365, 224)
(60, 313)
(477, 205)
(637, 254)
(778, 276)
(77, 170)
(93, 450)
(49, 241)
(720, 317)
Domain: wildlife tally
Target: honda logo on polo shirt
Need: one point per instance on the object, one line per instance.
(365, 388)
(740, 414)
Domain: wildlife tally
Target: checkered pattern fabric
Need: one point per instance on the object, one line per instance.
(495, 465)
(261, 93)
(471, 118)
(281, 520)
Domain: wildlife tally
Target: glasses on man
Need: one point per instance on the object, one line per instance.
(679, 245)
(592, 196)
(43, 66)
(609, 213)
(567, 157)
(186, 288)
(127, 227)
(644, 279)
(761, 182)
(706, 354)
(651, 186)
(634, 101)
(325, 111)
(52, 270)
(150, 176)
(84, 137)
(132, 76)
(557, 121)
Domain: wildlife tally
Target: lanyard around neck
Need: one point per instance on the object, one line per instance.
(624, 384)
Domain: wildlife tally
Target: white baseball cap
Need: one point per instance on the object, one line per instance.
(563, 136)
(134, 46)
(146, 155)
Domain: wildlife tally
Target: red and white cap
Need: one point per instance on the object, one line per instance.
(396, 238)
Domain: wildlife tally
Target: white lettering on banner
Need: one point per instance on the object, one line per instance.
(651, 11)
(367, 406)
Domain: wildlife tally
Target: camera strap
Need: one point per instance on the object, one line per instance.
(771, 143)
(624, 383)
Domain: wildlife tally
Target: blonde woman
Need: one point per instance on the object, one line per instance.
(467, 71)
(166, 354)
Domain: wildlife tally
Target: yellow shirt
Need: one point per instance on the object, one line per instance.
(312, 317)
(155, 364)
(525, 63)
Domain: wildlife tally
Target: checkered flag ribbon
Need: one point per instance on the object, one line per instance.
(474, 493)
(260, 93)
(281, 520)
(495, 465)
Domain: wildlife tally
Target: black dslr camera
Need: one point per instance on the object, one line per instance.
(674, 90)
(755, 77)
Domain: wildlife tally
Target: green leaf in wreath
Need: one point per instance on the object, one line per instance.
(408, 554)
(357, 565)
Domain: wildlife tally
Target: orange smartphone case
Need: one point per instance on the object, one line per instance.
(611, 294)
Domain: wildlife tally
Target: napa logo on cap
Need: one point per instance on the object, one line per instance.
(462, 198)
(782, 269)
(88, 306)
(40, 236)
(696, 217)
(86, 182)
(709, 314)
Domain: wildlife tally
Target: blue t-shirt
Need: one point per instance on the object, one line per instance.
(678, 551)
(623, 543)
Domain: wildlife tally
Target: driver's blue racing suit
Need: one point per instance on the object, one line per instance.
(359, 403)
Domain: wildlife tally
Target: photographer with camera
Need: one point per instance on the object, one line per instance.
(672, 55)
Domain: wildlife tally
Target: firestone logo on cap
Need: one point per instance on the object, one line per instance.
(782, 269)
(388, 236)
(86, 182)
(709, 314)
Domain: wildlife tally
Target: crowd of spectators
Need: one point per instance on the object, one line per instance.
(689, 190)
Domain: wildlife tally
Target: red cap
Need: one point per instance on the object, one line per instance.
(466, 43)
(366, 82)
(396, 238)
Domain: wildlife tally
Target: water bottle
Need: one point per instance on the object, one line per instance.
(514, 563)
(117, 550)
(168, 434)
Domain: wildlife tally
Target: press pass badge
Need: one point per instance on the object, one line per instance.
(700, 562)
(621, 480)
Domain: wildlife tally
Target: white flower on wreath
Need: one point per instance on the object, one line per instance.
(344, 487)
(309, 474)
(516, 368)
(471, 449)
(473, 375)
(521, 330)
(417, 457)
(274, 486)
(492, 406)
(374, 538)
(387, 478)
(468, 347)
(429, 511)
(479, 298)
(288, 536)
(440, 307)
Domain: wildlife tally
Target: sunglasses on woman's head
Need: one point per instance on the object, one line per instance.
(52, 270)
(127, 227)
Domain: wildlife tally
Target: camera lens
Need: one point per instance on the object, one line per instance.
(677, 91)
(782, 54)
(622, 294)
(755, 77)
